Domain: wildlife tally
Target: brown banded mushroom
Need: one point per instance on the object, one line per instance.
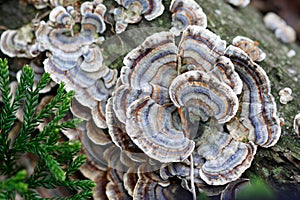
(60, 15)
(149, 8)
(151, 128)
(250, 47)
(204, 96)
(201, 48)
(93, 16)
(132, 10)
(258, 108)
(151, 186)
(18, 43)
(77, 60)
(115, 188)
(185, 13)
(223, 71)
(226, 158)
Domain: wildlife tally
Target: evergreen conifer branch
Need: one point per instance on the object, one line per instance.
(57, 161)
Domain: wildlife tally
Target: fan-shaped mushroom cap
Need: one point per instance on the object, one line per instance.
(258, 108)
(116, 129)
(200, 47)
(65, 49)
(153, 62)
(250, 47)
(93, 151)
(226, 158)
(130, 180)
(60, 15)
(204, 96)
(115, 188)
(151, 128)
(93, 17)
(18, 43)
(91, 172)
(186, 12)
(151, 186)
(223, 71)
(96, 134)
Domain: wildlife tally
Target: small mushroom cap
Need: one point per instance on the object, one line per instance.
(150, 8)
(297, 124)
(223, 71)
(18, 43)
(204, 96)
(130, 181)
(285, 95)
(60, 15)
(200, 47)
(91, 172)
(258, 107)
(250, 47)
(115, 188)
(93, 17)
(239, 3)
(117, 130)
(185, 13)
(151, 128)
(273, 21)
(94, 152)
(151, 186)
(80, 111)
(97, 135)
(286, 34)
(226, 159)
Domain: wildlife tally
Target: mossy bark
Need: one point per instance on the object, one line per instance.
(278, 165)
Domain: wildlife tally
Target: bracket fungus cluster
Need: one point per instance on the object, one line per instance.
(164, 89)
(176, 116)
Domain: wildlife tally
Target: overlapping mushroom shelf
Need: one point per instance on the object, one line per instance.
(199, 102)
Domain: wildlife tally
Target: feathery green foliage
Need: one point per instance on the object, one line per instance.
(56, 161)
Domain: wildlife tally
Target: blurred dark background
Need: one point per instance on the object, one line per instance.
(287, 9)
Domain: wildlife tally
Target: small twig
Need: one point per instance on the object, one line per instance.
(184, 123)
(193, 190)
